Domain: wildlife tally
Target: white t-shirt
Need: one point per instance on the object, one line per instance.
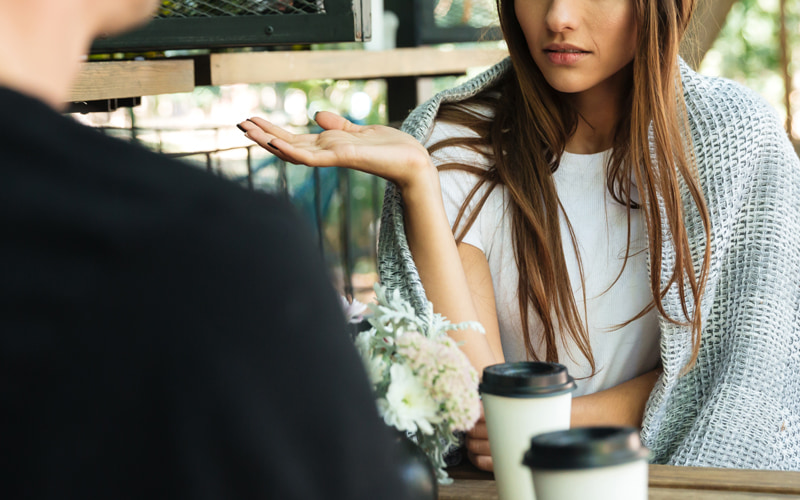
(600, 227)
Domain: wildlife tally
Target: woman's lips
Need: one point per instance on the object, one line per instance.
(564, 54)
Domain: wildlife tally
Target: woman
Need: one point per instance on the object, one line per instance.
(613, 211)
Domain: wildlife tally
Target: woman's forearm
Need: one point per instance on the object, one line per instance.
(401, 159)
(621, 405)
(439, 264)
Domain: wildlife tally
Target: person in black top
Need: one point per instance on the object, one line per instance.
(163, 333)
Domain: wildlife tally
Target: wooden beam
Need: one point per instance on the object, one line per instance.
(263, 67)
(121, 79)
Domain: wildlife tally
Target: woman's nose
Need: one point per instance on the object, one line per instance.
(562, 15)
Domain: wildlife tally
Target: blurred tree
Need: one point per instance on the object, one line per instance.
(709, 17)
(754, 48)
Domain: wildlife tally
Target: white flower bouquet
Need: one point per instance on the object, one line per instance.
(423, 383)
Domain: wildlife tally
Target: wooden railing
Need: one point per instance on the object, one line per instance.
(122, 79)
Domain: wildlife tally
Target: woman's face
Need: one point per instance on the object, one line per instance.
(578, 44)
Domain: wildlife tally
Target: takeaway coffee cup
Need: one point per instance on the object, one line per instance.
(521, 400)
(601, 463)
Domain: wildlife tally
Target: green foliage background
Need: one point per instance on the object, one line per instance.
(747, 49)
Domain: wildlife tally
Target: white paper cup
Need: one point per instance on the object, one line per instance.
(521, 400)
(601, 463)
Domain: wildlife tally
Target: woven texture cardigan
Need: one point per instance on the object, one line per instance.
(739, 406)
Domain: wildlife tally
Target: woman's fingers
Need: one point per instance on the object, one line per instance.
(374, 149)
(478, 449)
(479, 430)
(310, 155)
(268, 128)
(256, 134)
(325, 119)
(263, 132)
(294, 148)
(477, 442)
(483, 462)
(478, 446)
(332, 121)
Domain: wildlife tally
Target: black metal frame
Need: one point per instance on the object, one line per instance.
(342, 21)
(102, 106)
(417, 27)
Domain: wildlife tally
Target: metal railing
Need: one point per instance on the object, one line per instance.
(212, 24)
(216, 8)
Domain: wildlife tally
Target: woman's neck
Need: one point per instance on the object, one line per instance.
(599, 110)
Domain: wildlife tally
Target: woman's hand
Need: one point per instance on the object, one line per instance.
(398, 157)
(622, 405)
(375, 149)
(478, 445)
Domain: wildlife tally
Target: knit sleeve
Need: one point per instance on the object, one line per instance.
(739, 406)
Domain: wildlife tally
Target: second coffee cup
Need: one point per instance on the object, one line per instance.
(521, 400)
(601, 463)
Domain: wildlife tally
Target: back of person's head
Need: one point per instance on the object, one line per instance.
(116, 16)
(42, 41)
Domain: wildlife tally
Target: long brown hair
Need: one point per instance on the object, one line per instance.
(531, 125)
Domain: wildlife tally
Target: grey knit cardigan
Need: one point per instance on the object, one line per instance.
(739, 406)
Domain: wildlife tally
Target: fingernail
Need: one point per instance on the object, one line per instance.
(239, 126)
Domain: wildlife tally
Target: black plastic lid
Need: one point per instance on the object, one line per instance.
(584, 448)
(526, 379)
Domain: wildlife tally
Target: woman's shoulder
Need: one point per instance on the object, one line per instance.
(442, 131)
(421, 120)
(445, 129)
(737, 135)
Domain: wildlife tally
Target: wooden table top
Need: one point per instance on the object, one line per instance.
(666, 483)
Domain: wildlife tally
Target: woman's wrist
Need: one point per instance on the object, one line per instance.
(422, 181)
(622, 405)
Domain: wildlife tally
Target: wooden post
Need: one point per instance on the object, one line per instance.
(785, 57)
(704, 29)
(401, 92)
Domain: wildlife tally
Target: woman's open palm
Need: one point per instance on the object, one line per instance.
(375, 149)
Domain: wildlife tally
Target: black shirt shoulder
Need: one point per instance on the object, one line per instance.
(166, 333)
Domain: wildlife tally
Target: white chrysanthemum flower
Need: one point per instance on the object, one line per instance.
(408, 405)
(376, 369)
(363, 343)
(353, 311)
